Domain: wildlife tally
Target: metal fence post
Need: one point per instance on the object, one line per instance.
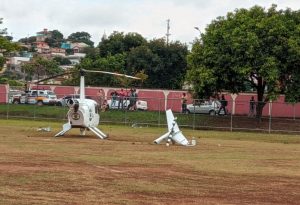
(7, 111)
(294, 109)
(194, 117)
(34, 112)
(233, 98)
(270, 116)
(159, 107)
(125, 115)
(231, 117)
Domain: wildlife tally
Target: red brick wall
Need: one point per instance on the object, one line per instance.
(280, 108)
(64, 90)
(156, 99)
(3, 94)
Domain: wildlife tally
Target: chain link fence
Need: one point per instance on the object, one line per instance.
(200, 114)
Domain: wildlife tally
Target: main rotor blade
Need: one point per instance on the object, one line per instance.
(111, 73)
(55, 76)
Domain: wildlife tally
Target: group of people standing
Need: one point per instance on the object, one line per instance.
(121, 98)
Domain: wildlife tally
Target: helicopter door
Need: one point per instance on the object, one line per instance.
(91, 114)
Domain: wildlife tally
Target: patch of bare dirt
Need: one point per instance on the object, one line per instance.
(183, 186)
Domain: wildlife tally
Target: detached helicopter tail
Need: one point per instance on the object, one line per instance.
(174, 134)
(161, 138)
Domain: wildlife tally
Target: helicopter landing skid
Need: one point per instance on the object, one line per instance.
(66, 128)
(98, 132)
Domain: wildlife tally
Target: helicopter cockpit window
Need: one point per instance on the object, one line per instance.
(96, 108)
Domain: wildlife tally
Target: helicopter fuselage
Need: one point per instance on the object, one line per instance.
(83, 113)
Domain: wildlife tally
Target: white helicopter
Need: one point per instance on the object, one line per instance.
(83, 113)
(174, 135)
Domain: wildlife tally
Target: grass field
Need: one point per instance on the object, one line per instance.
(224, 167)
(157, 118)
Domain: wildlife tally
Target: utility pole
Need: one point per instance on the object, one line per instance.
(168, 31)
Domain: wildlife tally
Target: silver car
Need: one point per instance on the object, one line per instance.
(204, 107)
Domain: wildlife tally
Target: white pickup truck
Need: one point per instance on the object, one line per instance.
(39, 97)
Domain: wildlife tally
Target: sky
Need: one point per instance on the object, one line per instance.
(146, 17)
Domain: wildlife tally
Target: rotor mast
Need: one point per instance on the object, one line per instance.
(82, 85)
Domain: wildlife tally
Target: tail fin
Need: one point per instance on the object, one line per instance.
(174, 132)
(171, 120)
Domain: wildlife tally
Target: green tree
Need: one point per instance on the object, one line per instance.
(11, 78)
(6, 46)
(255, 46)
(165, 65)
(143, 59)
(117, 43)
(28, 40)
(4, 30)
(110, 63)
(10, 82)
(82, 37)
(62, 61)
(90, 52)
(2, 62)
(160, 65)
(56, 39)
(39, 68)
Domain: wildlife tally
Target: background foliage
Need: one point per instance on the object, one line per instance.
(257, 47)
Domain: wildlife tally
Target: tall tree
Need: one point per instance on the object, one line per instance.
(255, 46)
(2, 62)
(164, 64)
(82, 37)
(117, 42)
(39, 68)
(114, 63)
(6, 45)
(28, 40)
(62, 61)
(158, 64)
(3, 30)
(56, 39)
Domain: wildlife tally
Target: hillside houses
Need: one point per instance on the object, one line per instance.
(45, 45)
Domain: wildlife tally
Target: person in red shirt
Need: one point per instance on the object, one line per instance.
(122, 95)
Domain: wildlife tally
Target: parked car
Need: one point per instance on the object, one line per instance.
(140, 104)
(14, 94)
(63, 101)
(204, 107)
(39, 97)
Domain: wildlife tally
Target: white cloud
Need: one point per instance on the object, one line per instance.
(147, 17)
